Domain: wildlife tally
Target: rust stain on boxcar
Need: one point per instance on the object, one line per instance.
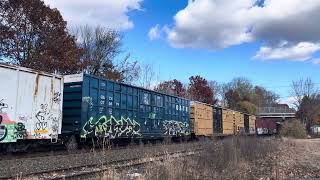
(36, 86)
(52, 90)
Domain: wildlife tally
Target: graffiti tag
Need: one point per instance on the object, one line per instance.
(41, 117)
(3, 128)
(57, 97)
(88, 100)
(44, 118)
(3, 105)
(111, 127)
(20, 131)
(12, 132)
(175, 128)
(3, 132)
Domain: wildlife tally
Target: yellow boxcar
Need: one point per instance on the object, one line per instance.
(228, 122)
(239, 122)
(208, 120)
(201, 116)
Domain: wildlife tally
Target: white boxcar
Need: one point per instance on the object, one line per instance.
(30, 104)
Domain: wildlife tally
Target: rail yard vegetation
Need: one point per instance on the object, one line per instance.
(294, 129)
(235, 158)
(230, 158)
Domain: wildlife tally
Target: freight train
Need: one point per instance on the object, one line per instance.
(41, 108)
(207, 120)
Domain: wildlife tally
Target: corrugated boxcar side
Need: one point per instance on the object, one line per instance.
(239, 122)
(72, 102)
(113, 110)
(201, 116)
(228, 122)
(30, 104)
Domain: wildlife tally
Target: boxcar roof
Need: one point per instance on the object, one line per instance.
(29, 70)
(216, 106)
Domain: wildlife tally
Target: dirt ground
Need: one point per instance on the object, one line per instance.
(300, 159)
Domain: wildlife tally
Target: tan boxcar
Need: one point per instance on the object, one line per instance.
(239, 122)
(206, 121)
(228, 122)
(201, 116)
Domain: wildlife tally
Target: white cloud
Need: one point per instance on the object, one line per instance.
(216, 24)
(154, 32)
(288, 100)
(298, 52)
(316, 61)
(207, 24)
(108, 13)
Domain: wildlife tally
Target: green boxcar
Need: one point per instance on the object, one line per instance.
(97, 107)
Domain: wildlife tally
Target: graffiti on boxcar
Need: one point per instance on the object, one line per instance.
(44, 119)
(3, 132)
(3, 105)
(23, 118)
(10, 131)
(54, 125)
(3, 127)
(57, 97)
(175, 128)
(20, 131)
(41, 124)
(89, 101)
(111, 127)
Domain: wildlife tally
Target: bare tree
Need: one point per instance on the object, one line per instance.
(101, 48)
(307, 100)
(302, 88)
(215, 88)
(223, 89)
(243, 86)
(147, 76)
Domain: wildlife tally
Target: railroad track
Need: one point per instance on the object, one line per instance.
(38, 166)
(56, 151)
(84, 171)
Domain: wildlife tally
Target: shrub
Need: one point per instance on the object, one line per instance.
(294, 129)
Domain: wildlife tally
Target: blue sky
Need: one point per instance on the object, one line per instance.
(217, 39)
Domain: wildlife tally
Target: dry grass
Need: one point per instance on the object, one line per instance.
(234, 158)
